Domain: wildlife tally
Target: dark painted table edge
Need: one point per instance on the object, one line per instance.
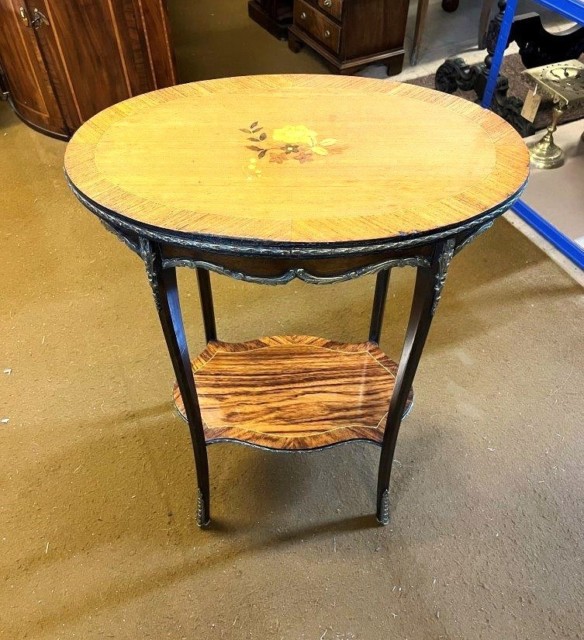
(260, 248)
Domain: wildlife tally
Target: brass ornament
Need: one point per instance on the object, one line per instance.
(564, 83)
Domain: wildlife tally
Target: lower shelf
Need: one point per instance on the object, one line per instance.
(293, 393)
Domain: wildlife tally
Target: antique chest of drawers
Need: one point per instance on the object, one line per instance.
(273, 15)
(350, 34)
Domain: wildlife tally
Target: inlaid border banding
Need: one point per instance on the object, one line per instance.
(270, 248)
(367, 425)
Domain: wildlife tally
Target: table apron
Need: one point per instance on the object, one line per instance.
(274, 270)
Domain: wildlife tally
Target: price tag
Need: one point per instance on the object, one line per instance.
(531, 105)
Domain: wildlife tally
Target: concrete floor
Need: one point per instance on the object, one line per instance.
(216, 38)
(97, 532)
(562, 207)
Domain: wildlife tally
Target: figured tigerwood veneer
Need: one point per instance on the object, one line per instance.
(293, 392)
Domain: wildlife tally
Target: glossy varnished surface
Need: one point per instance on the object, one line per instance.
(88, 56)
(31, 92)
(293, 392)
(131, 35)
(332, 159)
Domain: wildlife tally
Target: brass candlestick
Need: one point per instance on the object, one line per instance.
(564, 83)
(546, 154)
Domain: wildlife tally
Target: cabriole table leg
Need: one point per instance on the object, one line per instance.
(166, 296)
(427, 291)
(206, 298)
(378, 309)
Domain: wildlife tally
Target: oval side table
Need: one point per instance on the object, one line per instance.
(270, 178)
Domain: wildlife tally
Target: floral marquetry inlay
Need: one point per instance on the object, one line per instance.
(310, 159)
(290, 142)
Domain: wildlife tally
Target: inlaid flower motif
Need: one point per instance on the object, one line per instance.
(292, 141)
(277, 157)
(294, 135)
(303, 157)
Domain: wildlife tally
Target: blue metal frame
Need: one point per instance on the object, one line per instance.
(502, 42)
(573, 10)
(561, 242)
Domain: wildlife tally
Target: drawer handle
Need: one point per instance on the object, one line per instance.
(23, 16)
(303, 15)
(327, 34)
(38, 18)
(328, 3)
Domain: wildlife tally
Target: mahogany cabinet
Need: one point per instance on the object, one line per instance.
(24, 74)
(62, 61)
(273, 15)
(350, 34)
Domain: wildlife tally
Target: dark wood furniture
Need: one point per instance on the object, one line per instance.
(350, 34)
(573, 10)
(270, 178)
(24, 72)
(64, 61)
(537, 47)
(273, 15)
(450, 5)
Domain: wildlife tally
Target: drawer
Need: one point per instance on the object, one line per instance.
(317, 25)
(332, 7)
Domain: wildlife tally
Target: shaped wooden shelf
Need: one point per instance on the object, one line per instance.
(293, 393)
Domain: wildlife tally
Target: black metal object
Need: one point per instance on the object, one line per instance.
(455, 74)
(206, 299)
(378, 310)
(536, 47)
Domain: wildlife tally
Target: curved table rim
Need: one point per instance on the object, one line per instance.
(278, 249)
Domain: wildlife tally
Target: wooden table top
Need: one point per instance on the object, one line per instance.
(297, 159)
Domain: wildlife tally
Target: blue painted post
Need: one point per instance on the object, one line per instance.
(499, 53)
(574, 10)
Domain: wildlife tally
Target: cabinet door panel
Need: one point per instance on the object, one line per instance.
(31, 92)
(154, 25)
(86, 56)
(100, 53)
